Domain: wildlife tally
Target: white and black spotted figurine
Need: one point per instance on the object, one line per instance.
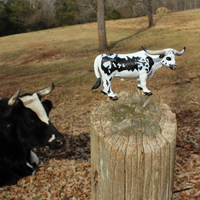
(140, 66)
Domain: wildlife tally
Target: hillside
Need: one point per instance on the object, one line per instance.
(65, 56)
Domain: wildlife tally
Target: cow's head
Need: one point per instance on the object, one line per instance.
(167, 56)
(31, 121)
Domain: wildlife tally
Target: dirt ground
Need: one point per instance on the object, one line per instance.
(65, 173)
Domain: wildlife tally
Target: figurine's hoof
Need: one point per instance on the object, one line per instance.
(114, 98)
(139, 88)
(103, 92)
(148, 93)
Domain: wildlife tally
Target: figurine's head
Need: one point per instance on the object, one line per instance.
(167, 56)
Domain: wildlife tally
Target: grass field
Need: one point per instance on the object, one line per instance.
(65, 56)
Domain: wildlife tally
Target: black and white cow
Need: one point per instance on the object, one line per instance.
(140, 66)
(24, 124)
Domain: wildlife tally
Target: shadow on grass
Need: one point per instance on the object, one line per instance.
(77, 147)
(113, 44)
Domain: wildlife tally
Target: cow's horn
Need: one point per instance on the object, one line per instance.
(180, 53)
(13, 100)
(46, 91)
(153, 52)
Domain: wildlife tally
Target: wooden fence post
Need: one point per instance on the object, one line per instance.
(133, 143)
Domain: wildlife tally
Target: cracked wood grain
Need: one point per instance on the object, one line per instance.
(132, 148)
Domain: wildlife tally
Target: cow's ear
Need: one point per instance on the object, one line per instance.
(161, 55)
(47, 106)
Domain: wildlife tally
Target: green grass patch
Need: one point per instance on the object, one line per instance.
(37, 198)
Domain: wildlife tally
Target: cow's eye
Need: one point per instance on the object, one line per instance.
(168, 58)
(30, 121)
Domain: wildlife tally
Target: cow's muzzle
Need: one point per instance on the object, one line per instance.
(60, 141)
(57, 143)
(173, 67)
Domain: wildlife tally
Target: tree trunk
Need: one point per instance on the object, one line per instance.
(101, 26)
(150, 17)
(150, 13)
(133, 143)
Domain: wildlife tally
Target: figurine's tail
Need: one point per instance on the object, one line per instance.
(97, 62)
(97, 84)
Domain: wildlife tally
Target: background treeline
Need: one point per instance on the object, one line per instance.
(17, 16)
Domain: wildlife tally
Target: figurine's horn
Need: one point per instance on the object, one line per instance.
(13, 100)
(180, 53)
(45, 91)
(153, 52)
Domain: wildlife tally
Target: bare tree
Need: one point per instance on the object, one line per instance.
(101, 25)
(145, 7)
(41, 15)
(150, 12)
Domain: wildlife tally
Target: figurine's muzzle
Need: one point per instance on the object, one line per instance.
(173, 67)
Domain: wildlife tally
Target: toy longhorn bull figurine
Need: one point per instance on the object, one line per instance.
(140, 66)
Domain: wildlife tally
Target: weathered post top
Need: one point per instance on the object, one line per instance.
(133, 148)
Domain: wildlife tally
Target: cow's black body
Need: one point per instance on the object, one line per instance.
(20, 130)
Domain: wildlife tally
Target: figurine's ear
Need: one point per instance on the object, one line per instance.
(161, 55)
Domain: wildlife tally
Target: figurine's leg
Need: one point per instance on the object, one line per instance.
(139, 85)
(110, 93)
(143, 78)
(103, 90)
(106, 87)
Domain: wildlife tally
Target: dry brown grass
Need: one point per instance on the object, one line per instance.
(65, 56)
